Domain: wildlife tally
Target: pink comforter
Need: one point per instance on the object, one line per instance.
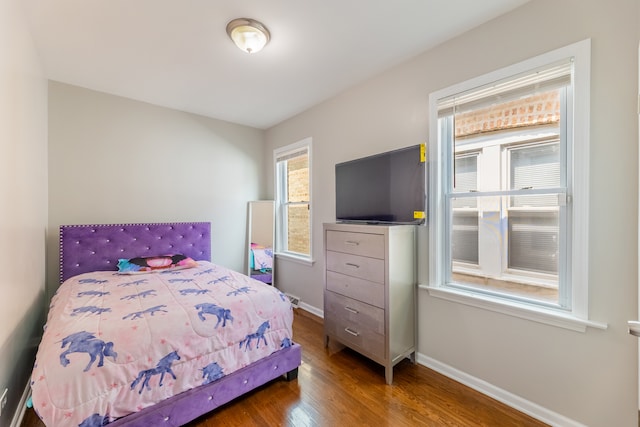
(115, 344)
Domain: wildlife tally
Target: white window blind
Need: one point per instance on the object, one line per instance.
(533, 241)
(535, 167)
(465, 179)
(536, 81)
(464, 237)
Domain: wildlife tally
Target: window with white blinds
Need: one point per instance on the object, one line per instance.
(466, 179)
(504, 199)
(533, 221)
(464, 226)
(533, 241)
(534, 166)
(293, 200)
(464, 237)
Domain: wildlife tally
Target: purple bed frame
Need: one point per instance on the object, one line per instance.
(85, 248)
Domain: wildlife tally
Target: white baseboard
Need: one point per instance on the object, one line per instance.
(22, 407)
(532, 409)
(311, 309)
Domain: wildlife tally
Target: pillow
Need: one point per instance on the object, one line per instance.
(154, 263)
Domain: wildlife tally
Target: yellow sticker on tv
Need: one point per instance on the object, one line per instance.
(418, 215)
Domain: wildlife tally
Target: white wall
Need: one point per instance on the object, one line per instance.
(116, 160)
(23, 202)
(591, 377)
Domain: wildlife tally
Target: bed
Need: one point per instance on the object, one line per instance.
(158, 348)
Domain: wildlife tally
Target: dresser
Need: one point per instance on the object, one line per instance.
(370, 291)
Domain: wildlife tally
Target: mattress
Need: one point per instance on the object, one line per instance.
(116, 344)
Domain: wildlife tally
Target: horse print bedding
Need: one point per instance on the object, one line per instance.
(116, 344)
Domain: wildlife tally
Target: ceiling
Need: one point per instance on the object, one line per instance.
(176, 53)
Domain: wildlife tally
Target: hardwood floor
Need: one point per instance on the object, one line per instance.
(338, 387)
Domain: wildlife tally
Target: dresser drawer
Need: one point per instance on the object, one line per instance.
(360, 330)
(366, 342)
(357, 266)
(365, 244)
(358, 314)
(356, 288)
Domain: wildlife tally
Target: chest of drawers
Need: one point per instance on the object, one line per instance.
(369, 296)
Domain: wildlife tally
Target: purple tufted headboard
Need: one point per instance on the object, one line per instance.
(85, 248)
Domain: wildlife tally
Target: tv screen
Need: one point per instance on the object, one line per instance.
(387, 188)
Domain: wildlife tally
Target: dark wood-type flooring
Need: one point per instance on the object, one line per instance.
(338, 387)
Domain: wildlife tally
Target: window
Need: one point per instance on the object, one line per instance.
(533, 221)
(293, 200)
(464, 223)
(509, 186)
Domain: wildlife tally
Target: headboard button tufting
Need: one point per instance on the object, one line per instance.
(85, 248)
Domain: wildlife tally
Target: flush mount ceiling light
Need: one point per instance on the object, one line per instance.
(248, 34)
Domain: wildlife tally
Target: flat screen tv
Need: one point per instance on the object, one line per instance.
(386, 188)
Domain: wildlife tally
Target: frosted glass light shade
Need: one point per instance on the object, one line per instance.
(248, 34)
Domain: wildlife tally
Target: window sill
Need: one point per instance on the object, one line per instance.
(515, 309)
(295, 258)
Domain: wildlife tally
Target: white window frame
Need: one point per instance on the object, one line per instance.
(577, 317)
(280, 203)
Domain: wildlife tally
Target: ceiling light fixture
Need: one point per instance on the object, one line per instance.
(248, 34)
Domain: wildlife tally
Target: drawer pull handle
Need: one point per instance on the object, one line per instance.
(351, 310)
(350, 264)
(349, 331)
(352, 243)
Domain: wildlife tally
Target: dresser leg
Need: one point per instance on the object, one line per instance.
(326, 341)
(388, 374)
